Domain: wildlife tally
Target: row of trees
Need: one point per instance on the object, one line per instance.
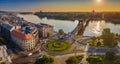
(109, 58)
(92, 59)
(74, 59)
(109, 38)
(95, 41)
(49, 60)
(45, 60)
(106, 39)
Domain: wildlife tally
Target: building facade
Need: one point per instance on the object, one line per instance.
(26, 38)
(5, 30)
(4, 57)
(19, 31)
(45, 30)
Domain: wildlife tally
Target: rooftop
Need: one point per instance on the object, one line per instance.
(44, 25)
(7, 26)
(20, 34)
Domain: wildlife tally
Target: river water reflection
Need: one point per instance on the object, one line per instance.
(94, 28)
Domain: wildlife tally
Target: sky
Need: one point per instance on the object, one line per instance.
(59, 5)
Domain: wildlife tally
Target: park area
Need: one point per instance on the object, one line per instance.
(58, 45)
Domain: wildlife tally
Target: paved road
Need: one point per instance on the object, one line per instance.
(60, 59)
(23, 59)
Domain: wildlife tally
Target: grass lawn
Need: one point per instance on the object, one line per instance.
(58, 45)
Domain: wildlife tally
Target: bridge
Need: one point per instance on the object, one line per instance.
(81, 25)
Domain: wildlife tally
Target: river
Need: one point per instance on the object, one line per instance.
(94, 28)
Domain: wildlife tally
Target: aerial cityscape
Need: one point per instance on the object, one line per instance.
(59, 31)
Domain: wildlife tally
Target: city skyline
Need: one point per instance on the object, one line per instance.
(59, 6)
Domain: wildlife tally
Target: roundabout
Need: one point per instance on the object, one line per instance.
(58, 45)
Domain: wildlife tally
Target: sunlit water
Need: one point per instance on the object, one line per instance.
(94, 28)
(67, 26)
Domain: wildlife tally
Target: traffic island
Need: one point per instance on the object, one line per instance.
(58, 45)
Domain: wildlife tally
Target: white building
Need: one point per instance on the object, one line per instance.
(4, 55)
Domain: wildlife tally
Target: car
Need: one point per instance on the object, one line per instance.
(30, 54)
(39, 57)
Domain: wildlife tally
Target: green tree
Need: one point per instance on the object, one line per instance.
(92, 59)
(93, 38)
(98, 43)
(80, 57)
(114, 38)
(3, 63)
(117, 61)
(108, 38)
(45, 60)
(110, 55)
(61, 32)
(1, 40)
(72, 60)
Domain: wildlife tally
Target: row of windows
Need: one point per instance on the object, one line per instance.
(29, 47)
(26, 44)
(28, 40)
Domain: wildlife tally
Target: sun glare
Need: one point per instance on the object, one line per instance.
(99, 1)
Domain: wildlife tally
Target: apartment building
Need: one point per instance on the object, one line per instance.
(26, 37)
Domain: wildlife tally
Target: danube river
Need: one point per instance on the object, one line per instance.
(66, 25)
(94, 28)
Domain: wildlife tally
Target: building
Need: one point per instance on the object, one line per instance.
(45, 30)
(5, 30)
(14, 29)
(4, 57)
(26, 37)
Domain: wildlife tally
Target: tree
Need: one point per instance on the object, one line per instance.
(114, 38)
(117, 61)
(1, 40)
(98, 43)
(3, 63)
(80, 57)
(110, 55)
(45, 60)
(92, 59)
(72, 60)
(109, 38)
(93, 38)
(61, 32)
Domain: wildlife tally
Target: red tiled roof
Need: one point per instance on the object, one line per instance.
(18, 33)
